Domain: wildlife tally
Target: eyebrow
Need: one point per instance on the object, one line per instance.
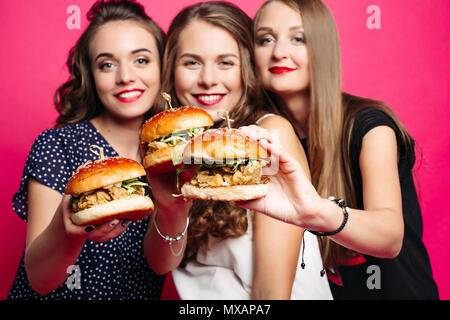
(110, 55)
(294, 28)
(196, 56)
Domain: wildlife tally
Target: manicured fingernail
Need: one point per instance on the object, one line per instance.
(125, 222)
(89, 228)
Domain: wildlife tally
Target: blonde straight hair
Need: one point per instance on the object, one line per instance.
(331, 115)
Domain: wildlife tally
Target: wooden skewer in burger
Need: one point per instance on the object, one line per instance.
(107, 189)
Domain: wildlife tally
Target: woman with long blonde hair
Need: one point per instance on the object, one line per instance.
(358, 152)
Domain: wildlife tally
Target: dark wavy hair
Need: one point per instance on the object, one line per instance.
(77, 100)
(215, 218)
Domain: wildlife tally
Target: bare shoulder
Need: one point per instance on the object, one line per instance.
(283, 129)
(380, 132)
(379, 140)
(280, 127)
(274, 121)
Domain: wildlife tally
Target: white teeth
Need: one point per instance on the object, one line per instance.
(209, 98)
(131, 94)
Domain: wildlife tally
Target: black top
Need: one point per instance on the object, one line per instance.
(409, 275)
(116, 269)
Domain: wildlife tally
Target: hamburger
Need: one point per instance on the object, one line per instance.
(106, 189)
(227, 167)
(164, 136)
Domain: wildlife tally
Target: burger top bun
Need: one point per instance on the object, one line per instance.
(173, 120)
(222, 144)
(101, 173)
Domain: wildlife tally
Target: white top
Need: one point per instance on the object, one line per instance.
(264, 116)
(225, 271)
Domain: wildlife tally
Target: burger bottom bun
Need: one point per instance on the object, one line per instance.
(228, 193)
(163, 167)
(160, 161)
(134, 207)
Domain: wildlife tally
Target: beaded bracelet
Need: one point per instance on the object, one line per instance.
(170, 239)
(345, 209)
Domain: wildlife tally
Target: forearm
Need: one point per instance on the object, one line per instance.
(49, 255)
(163, 256)
(377, 232)
(378, 235)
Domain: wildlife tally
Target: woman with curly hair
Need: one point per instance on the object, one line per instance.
(228, 252)
(115, 80)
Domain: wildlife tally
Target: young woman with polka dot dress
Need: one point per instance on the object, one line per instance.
(115, 80)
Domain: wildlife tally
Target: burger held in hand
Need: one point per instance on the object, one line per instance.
(227, 167)
(108, 189)
(164, 136)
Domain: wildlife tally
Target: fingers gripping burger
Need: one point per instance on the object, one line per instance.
(106, 189)
(227, 165)
(164, 136)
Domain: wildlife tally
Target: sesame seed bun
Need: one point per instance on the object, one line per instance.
(163, 124)
(173, 120)
(100, 173)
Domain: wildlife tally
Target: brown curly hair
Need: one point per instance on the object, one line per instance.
(76, 100)
(211, 218)
(218, 219)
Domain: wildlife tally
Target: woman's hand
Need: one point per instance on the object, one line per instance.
(166, 191)
(54, 242)
(291, 197)
(99, 233)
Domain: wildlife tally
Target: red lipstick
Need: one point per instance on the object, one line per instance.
(129, 95)
(279, 70)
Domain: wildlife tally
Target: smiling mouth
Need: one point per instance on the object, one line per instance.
(279, 70)
(208, 99)
(129, 95)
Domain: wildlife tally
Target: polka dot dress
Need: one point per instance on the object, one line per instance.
(115, 269)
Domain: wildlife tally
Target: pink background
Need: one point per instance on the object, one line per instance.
(405, 63)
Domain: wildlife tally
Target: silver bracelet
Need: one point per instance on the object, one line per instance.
(170, 239)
